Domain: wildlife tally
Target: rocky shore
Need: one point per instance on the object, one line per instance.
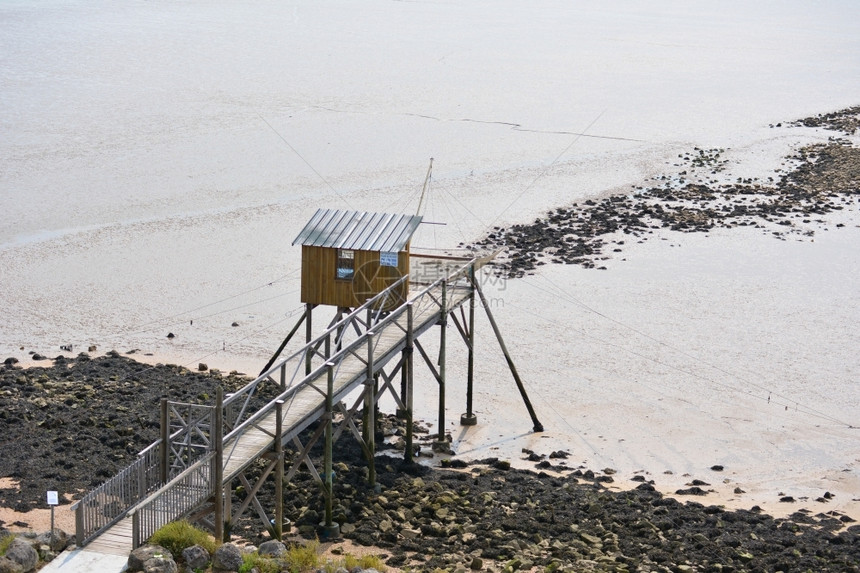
(81, 420)
(818, 179)
(72, 424)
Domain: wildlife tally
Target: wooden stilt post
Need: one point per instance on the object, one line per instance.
(375, 405)
(278, 528)
(228, 512)
(403, 393)
(538, 427)
(469, 418)
(309, 334)
(407, 366)
(341, 311)
(218, 477)
(164, 451)
(370, 413)
(443, 324)
(330, 529)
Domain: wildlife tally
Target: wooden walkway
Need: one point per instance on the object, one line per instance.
(306, 404)
(114, 541)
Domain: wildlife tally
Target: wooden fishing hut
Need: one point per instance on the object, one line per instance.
(349, 257)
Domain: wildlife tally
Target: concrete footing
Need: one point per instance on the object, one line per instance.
(468, 420)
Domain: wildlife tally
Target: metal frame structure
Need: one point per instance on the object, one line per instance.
(203, 450)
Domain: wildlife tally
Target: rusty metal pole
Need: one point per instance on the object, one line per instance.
(538, 427)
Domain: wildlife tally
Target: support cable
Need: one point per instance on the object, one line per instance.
(306, 162)
(557, 292)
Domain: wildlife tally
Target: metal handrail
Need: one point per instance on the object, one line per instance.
(317, 372)
(111, 501)
(151, 514)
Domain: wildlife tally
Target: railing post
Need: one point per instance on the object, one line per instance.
(330, 529)
(217, 438)
(279, 471)
(469, 418)
(369, 414)
(141, 480)
(407, 455)
(443, 324)
(79, 524)
(135, 530)
(164, 458)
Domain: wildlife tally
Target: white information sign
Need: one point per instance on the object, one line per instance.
(388, 259)
(53, 498)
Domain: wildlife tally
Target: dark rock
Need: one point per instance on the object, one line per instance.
(138, 558)
(195, 557)
(228, 557)
(695, 490)
(22, 553)
(687, 202)
(56, 542)
(503, 465)
(272, 547)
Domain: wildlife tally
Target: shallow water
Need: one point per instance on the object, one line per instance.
(157, 160)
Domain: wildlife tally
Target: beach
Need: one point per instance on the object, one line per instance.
(158, 161)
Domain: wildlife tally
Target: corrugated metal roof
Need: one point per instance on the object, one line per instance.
(358, 230)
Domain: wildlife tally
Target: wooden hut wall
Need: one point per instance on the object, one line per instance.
(319, 285)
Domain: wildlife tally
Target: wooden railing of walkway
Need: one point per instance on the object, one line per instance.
(351, 352)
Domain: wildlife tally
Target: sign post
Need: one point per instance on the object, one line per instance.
(53, 499)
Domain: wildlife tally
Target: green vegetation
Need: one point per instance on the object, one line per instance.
(5, 542)
(179, 535)
(305, 558)
(262, 564)
(366, 562)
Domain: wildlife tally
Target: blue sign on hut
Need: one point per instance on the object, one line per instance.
(351, 256)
